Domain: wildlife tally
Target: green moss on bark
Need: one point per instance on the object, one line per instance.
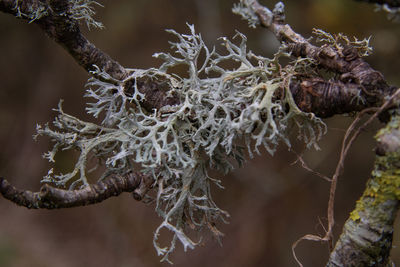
(367, 235)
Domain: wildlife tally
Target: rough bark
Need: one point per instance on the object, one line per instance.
(53, 198)
(366, 239)
(64, 30)
(326, 98)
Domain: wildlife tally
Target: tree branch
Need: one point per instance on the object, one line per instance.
(367, 235)
(56, 21)
(366, 239)
(53, 198)
(335, 97)
(356, 77)
(58, 24)
(390, 3)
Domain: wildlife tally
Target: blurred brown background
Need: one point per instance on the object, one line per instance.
(272, 203)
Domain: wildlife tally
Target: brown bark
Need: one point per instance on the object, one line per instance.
(335, 96)
(326, 98)
(64, 30)
(53, 198)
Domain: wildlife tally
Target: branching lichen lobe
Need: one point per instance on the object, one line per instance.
(196, 122)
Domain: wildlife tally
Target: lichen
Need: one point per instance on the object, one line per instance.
(354, 215)
(386, 182)
(83, 10)
(33, 12)
(340, 41)
(393, 13)
(79, 10)
(219, 109)
(248, 13)
(384, 185)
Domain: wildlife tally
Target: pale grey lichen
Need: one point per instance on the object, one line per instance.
(83, 10)
(393, 13)
(219, 107)
(245, 9)
(242, 9)
(340, 41)
(77, 10)
(33, 12)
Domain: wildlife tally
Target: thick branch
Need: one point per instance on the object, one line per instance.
(53, 198)
(311, 94)
(56, 21)
(367, 235)
(62, 28)
(352, 70)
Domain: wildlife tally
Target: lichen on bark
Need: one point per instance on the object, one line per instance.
(367, 235)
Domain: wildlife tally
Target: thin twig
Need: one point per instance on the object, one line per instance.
(307, 168)
(54, 198)
(348, 140)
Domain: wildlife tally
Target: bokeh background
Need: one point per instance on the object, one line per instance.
(272, 202)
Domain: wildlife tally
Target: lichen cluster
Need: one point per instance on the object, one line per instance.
(245, 10)
(340, 41)
(384, 185)
(249, 103)
(33, 12)
(83, 10)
